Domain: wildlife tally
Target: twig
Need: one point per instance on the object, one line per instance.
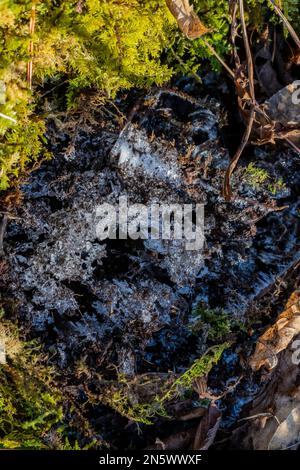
(286, 22)
(30, 47)
(292, 445)
(3, 225)
(274, 46)
(248, 52)
(54, 88)
(234, 33)
(214, 52)
(227, 188)
(267, 415)
(293, 145)
(122, 115)
(110, 113)
(4, 116)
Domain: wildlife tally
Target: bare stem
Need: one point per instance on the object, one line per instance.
(214, 52)
(288, 25)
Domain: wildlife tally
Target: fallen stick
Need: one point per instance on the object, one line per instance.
(4, 116)
(30, 47)
(288, 25)
(227, 193)
(3, 225)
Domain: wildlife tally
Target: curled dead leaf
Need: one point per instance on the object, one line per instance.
(207, 429)
(287, 434)
(278, 337)
(199, 437)
(187, 20)
(272, 421)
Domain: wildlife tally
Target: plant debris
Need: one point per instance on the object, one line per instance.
(278, 336)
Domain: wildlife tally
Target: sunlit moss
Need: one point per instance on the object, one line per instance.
(123, 396)
(30, 402)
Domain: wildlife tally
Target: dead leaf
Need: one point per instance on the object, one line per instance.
(278, 337)
(273, 418)
(187, 20)
(199, 437)
(207, 429)
(288, 432)
(188, 414)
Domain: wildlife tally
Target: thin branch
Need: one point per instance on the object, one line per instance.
(54, 88)
(227, 189)
(288, 25)
(214, 52)
(3, 225)
(233, 32)
(292, 445)
(248, 52)
(263, 415)
(4, 116)
(30, 47)
(293, 145)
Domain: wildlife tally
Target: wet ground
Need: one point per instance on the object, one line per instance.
(128, 305)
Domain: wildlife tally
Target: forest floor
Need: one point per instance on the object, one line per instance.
(121, 319)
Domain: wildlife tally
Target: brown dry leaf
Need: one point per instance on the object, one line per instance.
(287, 435)
(185, 411)
(187, 20)
(278, 337)
(296, 58)
(273, 419)
(207, 429)
(199, 437)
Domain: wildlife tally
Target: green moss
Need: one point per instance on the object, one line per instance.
(258, 177)
(216, 321)
(68, 446)
(140, 413)
(30, 402)
(124, 396)
(34, 413)
(277, 186)
(200, 368)
(255, 176)
(291, 9)
(106, 45)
